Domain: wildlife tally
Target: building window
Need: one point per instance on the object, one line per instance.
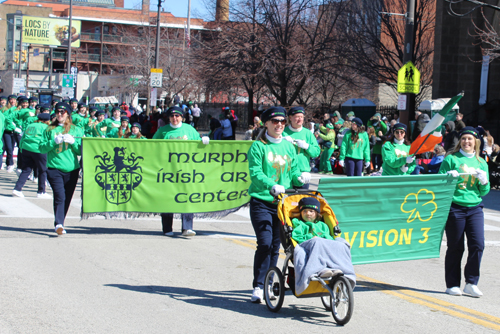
(140, 31)
(106, 29)
(9, 45)
(114, 30)
(97, 30)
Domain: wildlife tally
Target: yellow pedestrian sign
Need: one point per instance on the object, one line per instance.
(409, 79)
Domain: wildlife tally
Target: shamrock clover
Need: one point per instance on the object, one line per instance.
(419, 205)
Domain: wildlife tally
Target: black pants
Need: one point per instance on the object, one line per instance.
(464, 221)
(8, 146)
(63, 186)
(36, 161)
(167, 221)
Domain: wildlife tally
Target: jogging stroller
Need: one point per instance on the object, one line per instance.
(336, 292)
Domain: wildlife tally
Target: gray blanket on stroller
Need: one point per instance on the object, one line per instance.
(314, 255)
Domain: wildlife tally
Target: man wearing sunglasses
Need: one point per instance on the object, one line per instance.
(176, 129)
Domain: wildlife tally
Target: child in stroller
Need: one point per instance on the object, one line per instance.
(317, 252)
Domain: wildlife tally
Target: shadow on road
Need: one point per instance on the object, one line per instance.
(236, 301)
(365, 286)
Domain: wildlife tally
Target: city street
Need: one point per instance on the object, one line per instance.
(125, 276)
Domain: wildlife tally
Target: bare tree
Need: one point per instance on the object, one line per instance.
(376, 40)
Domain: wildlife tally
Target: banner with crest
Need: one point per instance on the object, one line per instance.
(133, 178)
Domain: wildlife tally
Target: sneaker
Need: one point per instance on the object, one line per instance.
(18, 172)
(257, 295)
(35, 180)
(325, 273)
(16, 193)
(188, 233)
(60, 229)
(44, 195)
(271, 294)
(10, 169)
(472, 290)
(455, 291)
(169, 234)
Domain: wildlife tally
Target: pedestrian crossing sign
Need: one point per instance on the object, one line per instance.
(408, 79)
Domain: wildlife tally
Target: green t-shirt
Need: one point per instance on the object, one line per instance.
(303, 231)
(394, 157)
(358, 150)
(304, 156)
(10, 119)
(272, 164)
(33, 136)
(135, 137)
(62, 156)
(23, 115)
(381, 126)
(2, 127)
(469, 190)
(184, 132)
(80, 121)
(109, 124)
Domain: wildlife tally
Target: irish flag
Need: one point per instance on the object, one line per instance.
(431, 134)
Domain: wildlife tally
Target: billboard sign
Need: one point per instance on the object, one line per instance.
(50, 31)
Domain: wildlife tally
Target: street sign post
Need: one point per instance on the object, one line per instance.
(402, 102)
(408, 79)
(18, 85)
(68, 92)
(156, 77)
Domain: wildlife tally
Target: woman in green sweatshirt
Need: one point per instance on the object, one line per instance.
(32, 158)
(466, 216)
(110, 123)
(327, 133)
(62, 142)
(396, 153)
(355, 148)
(122, 130)
(135, 132)
(273, 168)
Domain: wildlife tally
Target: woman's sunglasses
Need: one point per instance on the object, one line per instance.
(399, 132)
(277, 121)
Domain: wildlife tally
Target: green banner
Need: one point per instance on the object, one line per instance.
(391, 218)
(154, 176)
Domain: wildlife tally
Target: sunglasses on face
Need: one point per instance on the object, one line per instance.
(175, 115)
(399, 132)
(60, 111)
(276, 121)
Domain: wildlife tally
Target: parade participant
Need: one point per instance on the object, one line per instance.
(306, 144)
(54, 101)
(327, 133)
(32, 158)
(81, 117)
(110, 123)
(466, 216)
(122, 130)
(73, 103)
(93, 126)
(380, 131)
(33, 101)
(176, 129)
(11, 131)
(23, 113)
(396, 153)
(3, 103)
(135, 132)
(62, 143)
(273, 168)
(355, 148)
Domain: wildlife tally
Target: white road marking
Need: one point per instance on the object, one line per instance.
(488, 216)
(22, 208)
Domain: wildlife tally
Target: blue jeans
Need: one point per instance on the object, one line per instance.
(63, 186)
(8, 146)
(353, 167)
(265, 222)
(464, 221)
(33, 161)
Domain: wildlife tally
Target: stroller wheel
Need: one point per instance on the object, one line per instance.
(327, 302)
(342, 300)
(274, 289)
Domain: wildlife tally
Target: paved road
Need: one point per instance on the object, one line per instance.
(124, 276)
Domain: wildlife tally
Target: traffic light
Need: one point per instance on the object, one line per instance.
(16, 57)
(25, 56)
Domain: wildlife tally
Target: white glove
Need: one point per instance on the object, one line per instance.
(302, 144)
(453, 173)
(288, 138)
(367, 164)
(410, 159)
(277, 189)
(404, 169)
(481, 176)
(18, 130)
(59, 139)
(305, 177)
(103, 136)
(69, 139)
(205, 140)
(341, 163)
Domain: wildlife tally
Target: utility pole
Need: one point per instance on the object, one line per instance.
(157, 53)
(68, 66)
(409, 114)
(20, 50)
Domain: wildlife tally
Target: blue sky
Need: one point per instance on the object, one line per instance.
(177, 7)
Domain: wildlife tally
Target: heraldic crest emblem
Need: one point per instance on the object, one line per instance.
(118, 175)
